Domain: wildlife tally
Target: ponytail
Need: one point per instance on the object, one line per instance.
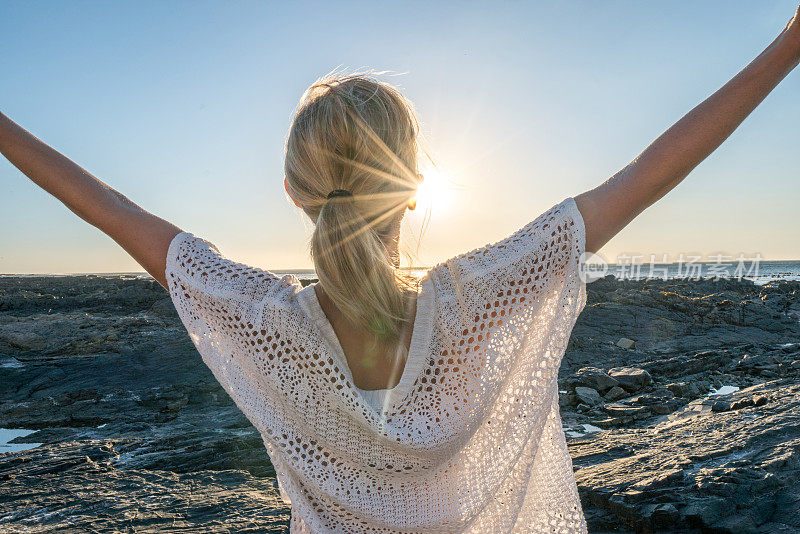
(360, 135)
(353, 266)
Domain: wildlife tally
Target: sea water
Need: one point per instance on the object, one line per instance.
(7, 434)
(761, 273)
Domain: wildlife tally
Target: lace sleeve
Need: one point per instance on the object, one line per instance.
(529, 284)
(218, 300)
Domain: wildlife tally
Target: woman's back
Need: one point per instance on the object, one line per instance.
(374, 364)
(469, 439)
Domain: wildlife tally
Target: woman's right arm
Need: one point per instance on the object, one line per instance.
(143, 235)
(608, 208)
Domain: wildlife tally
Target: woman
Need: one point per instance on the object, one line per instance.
(388, 404)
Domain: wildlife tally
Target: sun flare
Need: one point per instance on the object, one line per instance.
(436, 190)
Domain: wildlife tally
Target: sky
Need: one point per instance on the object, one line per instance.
(184, 107)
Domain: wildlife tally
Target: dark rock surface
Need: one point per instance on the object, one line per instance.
(137, 435)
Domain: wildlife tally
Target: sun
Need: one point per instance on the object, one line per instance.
(436, 190)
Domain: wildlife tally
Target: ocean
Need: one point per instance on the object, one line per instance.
(760, 272)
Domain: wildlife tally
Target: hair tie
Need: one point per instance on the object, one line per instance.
(340, 193)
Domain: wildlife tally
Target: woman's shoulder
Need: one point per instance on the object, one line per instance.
(196, 263)
(537, 241)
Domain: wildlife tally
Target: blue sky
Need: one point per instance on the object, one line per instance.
(184, 107)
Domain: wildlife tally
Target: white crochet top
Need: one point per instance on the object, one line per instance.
(470, 439)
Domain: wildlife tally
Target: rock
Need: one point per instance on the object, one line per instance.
(742, 403)
(588, 396)
(680, 365)
(721, 406)
(664, 515)
(616, 393)
(736, 523)
(164, 308)
(620, 410)
(103, 367)
(612, 421)
(707, 471)
(566, 399)
(659, 396)
(626, 343)
(21, 339)
(631, 378)
(592, 377)
(667, 406)
(678, 388)
(702, 512)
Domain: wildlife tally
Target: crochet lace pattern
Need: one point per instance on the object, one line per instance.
(470, 439)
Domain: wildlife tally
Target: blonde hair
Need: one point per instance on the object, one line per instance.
(357, 133)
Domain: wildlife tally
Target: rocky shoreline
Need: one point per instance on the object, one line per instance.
(137, 435)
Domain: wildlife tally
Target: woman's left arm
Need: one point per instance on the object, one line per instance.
(609, 207)
(143, 235)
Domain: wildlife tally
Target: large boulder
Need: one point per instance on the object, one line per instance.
(631, 378)
(595, 378)
(588, 396)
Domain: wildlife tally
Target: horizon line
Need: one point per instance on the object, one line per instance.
(310, 271)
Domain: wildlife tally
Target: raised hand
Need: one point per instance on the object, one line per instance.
(794, 23)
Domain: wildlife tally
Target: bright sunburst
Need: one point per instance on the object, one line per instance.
(436, 190)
